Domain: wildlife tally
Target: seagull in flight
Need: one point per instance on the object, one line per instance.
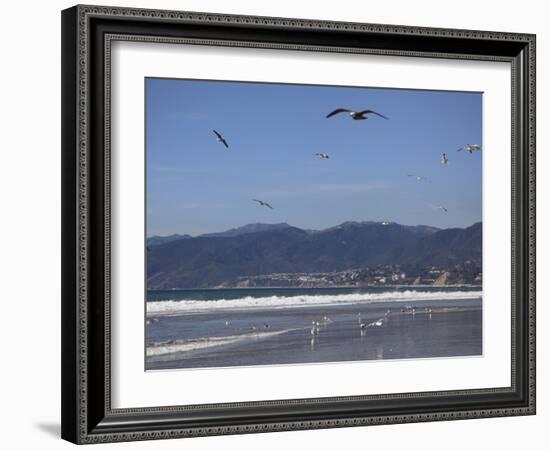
(262, 203)
(442, 208)
(356, 115)
(470, 148)
(220, 138)
(419, 177)
(322, 155)
(444, 159)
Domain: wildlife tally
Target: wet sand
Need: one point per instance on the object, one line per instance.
(287, 336)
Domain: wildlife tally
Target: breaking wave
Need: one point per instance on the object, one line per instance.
(178, 346)
(176, 307)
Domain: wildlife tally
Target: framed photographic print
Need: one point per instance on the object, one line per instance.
(280, 224)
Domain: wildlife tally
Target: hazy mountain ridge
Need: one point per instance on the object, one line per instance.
(259, 249)
(245, 229)
(250, 228)
(161, 240)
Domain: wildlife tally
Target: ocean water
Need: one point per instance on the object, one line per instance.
(242, 327)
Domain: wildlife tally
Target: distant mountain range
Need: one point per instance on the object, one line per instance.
(245, 229)
(250, 228)
(159, 240)
(181, 261)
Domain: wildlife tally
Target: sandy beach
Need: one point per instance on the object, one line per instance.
(349, 332)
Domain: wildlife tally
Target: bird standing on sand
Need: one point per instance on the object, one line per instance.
(355, 115)
(262, 203)
(314, 327)
(322, 155)
(220, 138)
(470, 148)
(444, 159)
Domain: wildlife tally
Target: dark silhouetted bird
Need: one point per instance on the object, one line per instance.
(262, 203)
(356, 115)
(220, 138)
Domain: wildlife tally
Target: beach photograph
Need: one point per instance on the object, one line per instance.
(309, 224)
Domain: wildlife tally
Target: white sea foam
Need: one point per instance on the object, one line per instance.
(177, 346)
(176, 307)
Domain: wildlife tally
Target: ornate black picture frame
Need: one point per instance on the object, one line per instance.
(87, 34)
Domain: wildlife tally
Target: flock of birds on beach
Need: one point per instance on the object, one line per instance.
(364, 115)
(318, 325)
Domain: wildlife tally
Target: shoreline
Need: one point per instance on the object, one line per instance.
(375, 286)
(357, 332)
(207, 308)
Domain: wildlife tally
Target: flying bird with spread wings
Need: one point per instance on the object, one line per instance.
(470, 148)
(262, 203)
(443, 208)
(220, 138)
(355, 115)
(322, 155)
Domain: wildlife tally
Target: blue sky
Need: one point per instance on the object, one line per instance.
(195, 185)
